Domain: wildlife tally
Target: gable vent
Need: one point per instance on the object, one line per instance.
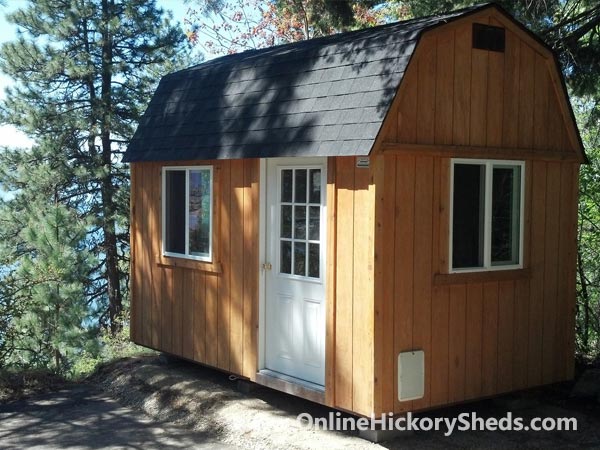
(487, 37)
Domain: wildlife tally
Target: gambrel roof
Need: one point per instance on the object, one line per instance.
(320, 97)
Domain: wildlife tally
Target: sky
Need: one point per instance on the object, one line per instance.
(9, 135)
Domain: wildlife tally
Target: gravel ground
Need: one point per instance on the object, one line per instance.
(207, 401)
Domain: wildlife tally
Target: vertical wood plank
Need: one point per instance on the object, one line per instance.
(187, 324)
(166, 311)
(199, 298)
(250, 285)
(540, 112)
(521, 334)
(177, 305)
(153, 210)
(237, 265)
(388, 296)
(495, 95)
(479, 96)
(407, 119)
(510, 116)
(423, 268)
(378, 180)
(444, 99)
(330, 308)
(440, 336)
(473, 366)
(461, 123)
(536, 294)
(145, 256)
(439, 306)
(426, 90)
(141, 277)
(344, 285)
(556, 125)
(224, 234)
(457, 343)
(526, 95)
(363, 314)
(211, 357)
(549, 349)
(489, 365)
(506, 324)
(404, 215)
(444, 216)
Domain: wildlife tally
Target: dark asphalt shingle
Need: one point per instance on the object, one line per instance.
(325, 97)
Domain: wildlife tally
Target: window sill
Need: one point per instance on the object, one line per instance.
(444, 279)
(183, 263)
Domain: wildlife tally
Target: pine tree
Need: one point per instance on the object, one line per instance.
(83, 72)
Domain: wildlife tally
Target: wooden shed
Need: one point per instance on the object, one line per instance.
(381, 221)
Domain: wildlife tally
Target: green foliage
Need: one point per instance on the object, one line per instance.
(588, 251)
(112, 346)
(83, 71)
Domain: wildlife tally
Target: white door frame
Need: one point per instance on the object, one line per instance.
(263, 223)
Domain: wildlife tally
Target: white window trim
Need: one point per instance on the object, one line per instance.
(487, 240)
(187, 169)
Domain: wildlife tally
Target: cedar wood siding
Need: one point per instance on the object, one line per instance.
(212, 318)
(482, 334)
(209, 316)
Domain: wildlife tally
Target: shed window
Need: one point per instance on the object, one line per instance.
(187, 212)
(487, 215)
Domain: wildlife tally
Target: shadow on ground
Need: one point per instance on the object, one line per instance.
(82, 416)
(207, 401)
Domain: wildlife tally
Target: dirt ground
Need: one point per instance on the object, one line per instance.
(208, 402)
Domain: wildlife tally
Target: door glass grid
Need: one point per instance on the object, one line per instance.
(300, 222)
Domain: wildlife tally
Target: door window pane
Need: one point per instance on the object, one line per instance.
(468, 215)
(286, 257)
(314, 222)
(315, 186)
(313, 260)
(299, 222)
(300, 258)
(286, 185)
(199, 212)
(286, 221)
(175, 211)
(506, 210)
(300, 186)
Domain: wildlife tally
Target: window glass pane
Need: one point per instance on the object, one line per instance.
(299, 222)
(300, 258)
(286, 185)
(506, 211)
(468, 215)
(300, 195)
(285, 264)
(314, 222)
(314, 190)
(313, 260)
(199, 212)
(286, 221)
(175, 211)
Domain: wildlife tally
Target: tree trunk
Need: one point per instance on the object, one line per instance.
(115, 300)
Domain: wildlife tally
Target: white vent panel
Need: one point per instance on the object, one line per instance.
(411, 375)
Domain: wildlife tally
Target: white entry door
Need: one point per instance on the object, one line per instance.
(295, 275)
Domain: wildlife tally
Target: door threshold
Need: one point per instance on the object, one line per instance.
(290, 385)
